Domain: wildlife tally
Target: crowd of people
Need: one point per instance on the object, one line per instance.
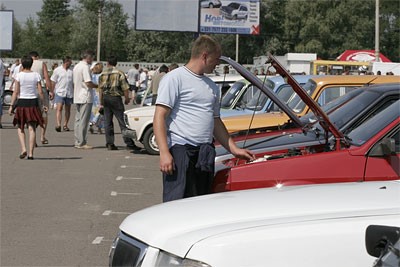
(98, 93)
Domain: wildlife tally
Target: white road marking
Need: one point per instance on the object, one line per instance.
(113, 193)
(98, 240)
(127, 157)
(109, 212)
(132, 166)
(119, 178)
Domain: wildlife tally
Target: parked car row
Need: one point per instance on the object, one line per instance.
(328, 192)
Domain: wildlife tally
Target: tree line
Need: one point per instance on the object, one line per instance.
(325, 27)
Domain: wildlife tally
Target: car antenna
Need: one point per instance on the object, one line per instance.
(253, 114)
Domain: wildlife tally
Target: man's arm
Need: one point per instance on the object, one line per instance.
(47, 80)
(222, 135)
(160, 131)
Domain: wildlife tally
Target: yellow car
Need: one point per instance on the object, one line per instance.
(322, 89)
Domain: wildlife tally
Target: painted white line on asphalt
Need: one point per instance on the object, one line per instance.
(127, 157)
(113, 193)
(98, 240)
(109, 212)
(132, 166)
(119, 178)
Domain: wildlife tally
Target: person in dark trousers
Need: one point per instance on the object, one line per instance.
(185, 121)
(155, 82)
(112, 86)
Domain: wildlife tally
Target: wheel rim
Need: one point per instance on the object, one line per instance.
(153, 143)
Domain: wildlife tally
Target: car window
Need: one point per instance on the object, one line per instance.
(296, 103)
(259, 99)
(344, 114)
(333, 105)
(371, 127)
(285, 92)
(331, 93)
(230, 95)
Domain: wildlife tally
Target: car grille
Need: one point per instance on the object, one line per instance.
(127, 251)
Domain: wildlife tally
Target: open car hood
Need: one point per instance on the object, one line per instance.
(319, 114)
(260, 85)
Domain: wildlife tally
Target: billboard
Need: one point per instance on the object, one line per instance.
(6, 29)
(167, 15)
(236, 17)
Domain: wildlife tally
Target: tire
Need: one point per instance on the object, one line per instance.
(149, 142)
(211, 5)
(235, 17)
(7, 98)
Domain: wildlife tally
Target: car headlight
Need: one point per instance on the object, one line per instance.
(169, 260)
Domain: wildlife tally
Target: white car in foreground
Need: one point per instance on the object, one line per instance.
(310, 226)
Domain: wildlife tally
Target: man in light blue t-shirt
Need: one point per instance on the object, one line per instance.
(186, 119)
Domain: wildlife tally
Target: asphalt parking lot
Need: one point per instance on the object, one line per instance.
(64, 207)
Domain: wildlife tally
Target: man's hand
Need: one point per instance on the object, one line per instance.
(10, 110)
(243, 153)
(51, 95)
(127, 100)
(167, 164)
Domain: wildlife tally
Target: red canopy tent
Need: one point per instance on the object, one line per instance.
(361, 55)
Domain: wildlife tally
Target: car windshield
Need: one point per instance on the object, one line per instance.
(296, 103)
(259, 98)
(231, 94)
(285, 92)
(371, 127)
(234, 5)
(344, 114)
(333, 105)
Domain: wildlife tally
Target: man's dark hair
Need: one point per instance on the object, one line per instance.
(163, 68)
(112, 60)
(27, 62)
(66, 59)
(33, 54)
(87, 53)
(136, 66)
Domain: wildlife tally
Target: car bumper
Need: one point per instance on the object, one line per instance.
(129, 133)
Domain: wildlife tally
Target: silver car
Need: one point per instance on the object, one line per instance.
(210, 3)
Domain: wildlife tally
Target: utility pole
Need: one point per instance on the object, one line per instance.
(377, 31)
(237, 47)
(100, 15)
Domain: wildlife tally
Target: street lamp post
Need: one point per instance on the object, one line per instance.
(377, 31)
(100, 14)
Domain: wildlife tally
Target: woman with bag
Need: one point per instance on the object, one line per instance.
(28, 90)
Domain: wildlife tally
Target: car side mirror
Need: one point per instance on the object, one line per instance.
(385, 148)
(378, 237)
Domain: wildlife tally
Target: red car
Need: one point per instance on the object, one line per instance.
(369, 151)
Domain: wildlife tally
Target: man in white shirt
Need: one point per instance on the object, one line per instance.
(83, 98)
(133, 80)
(63, 86)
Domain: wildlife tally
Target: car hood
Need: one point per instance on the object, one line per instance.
(260, 85)
(176, 226)
(141, 112)
(316, 109)
(258, 121)
(227, 9)
(232, 112)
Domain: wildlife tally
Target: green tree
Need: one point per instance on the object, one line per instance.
(53, 28)
(85, 25)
